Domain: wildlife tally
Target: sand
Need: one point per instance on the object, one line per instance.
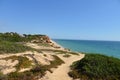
(8, 66)
(57, 45)
(54, 46)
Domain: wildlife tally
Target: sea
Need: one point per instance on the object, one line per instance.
(109, 48)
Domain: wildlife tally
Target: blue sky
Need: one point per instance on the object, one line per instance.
(65, 19)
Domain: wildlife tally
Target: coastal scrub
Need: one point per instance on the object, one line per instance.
(96, 67)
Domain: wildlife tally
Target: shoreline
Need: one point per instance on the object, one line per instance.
(56, 44)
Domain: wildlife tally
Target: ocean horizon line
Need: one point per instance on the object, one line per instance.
(85, 40)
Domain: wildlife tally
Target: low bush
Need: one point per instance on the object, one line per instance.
(96, 67)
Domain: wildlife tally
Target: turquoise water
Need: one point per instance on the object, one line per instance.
(110, 48)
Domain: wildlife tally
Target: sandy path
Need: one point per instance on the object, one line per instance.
(61, 73)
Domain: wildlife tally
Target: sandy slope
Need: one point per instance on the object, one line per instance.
(61, 73)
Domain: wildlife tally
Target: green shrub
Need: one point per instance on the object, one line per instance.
(96, 67)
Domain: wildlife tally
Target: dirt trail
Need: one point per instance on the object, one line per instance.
(61, 73)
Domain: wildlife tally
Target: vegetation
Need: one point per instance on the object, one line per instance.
(11, 37)
(1, 76)
(24, 62)
(33, 74)
(60, 51)
(54, 50)
(54, 64)
(11, 42)
(40, 69)
(11, 47)
(44, 55)
(96, 67)
(66, 55)
(73, 53)
(29, 37)
(44, 44)
(37, 72)
(15, 37)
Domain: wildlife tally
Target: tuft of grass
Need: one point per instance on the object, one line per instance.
(55, 63)
(60, 53)
(96, 67)
(44, 55)
(73, 53)
(66, 55)
(44, 44)
(11, 57)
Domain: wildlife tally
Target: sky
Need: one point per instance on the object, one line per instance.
(62, 19)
